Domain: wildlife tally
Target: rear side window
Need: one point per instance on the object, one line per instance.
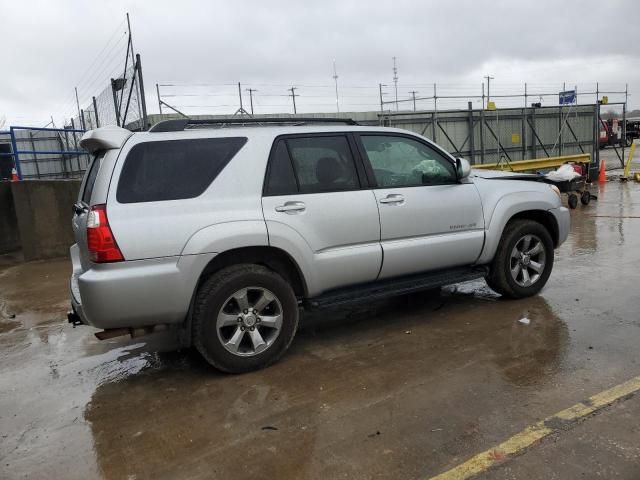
(91, 178)
(311, 165)
(174, 169)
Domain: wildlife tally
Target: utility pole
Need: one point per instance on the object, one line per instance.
(395, 80)
(251, 90)
(413, 94)
(335, 79)
(240, 110)
(488, 87)
(77, 102)
(293, 96)
(380, 85)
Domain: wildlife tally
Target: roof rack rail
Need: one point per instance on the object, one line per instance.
(180, 124)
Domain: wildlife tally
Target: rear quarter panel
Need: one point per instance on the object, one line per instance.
(193, 226)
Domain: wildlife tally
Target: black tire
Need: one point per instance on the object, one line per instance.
(572, 201)
(585, 198)
(211, 299)
(500, 278)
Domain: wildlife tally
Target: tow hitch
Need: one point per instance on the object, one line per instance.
(74, 319)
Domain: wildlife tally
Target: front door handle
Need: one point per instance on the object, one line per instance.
(291, 207)
(393, 199)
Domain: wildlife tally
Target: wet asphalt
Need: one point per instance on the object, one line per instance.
(405, 388)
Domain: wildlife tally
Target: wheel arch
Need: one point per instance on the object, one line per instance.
(506, 212)
(545, 218)
(271, 257)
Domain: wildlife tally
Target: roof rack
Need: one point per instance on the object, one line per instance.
(180, 124)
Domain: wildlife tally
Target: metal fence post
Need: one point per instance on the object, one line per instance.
(523, 127)
(434, 116)
(482, 156)
(35, 157)
(534, 147)
(82, 122)
(143, 100)
(16, 158)
(159, 101)
(624, 130)
(560, 111)
(472, 145)
(115, 101)
(95, 112)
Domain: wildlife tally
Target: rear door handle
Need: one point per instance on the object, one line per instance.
(393, 199)
(291, 207)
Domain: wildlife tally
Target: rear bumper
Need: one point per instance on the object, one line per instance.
(563, 219)
(135, 293)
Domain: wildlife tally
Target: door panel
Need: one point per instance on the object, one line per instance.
(434, 227)
(428, 219)
(315, 209)
(340, 231)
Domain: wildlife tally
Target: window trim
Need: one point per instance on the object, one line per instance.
(369, 168)
(95, 163)
(361, 175)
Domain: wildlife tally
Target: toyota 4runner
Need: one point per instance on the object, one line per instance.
(226, 233)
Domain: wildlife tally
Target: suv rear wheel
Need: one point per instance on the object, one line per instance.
(523, 261)
(244, 318)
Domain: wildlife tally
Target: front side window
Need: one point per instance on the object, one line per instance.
(174, 169)
(403, 162)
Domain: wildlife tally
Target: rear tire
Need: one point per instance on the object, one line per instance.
(515, 275)
(244, 318)
(572, 200)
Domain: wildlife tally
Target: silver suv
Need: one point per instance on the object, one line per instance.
(226, 233)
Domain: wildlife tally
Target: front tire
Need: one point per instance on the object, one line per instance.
(523, 260)
(244, 318)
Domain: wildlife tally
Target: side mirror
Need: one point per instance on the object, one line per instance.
(463, 168)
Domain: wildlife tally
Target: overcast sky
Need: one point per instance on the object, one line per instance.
(49, 47)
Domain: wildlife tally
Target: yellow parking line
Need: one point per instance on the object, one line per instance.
(520, 441)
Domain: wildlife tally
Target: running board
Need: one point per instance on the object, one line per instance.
(395, 286)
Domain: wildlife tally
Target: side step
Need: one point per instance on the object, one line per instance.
(395, 286)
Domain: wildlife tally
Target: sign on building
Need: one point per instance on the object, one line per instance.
(568, 97)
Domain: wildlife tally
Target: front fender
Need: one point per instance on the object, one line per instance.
(505, 208)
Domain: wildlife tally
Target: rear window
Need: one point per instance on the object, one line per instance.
(174, 169)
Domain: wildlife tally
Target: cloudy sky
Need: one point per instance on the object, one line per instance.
(201, 48)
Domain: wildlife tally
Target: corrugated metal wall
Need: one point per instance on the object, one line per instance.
(507, 134)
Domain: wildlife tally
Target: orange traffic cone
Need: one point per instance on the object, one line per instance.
(602, 177)
(14, 175)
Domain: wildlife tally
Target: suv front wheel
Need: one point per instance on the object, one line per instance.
(244, 318)
(523, 260)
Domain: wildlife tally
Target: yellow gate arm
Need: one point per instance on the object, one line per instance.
(536, 164)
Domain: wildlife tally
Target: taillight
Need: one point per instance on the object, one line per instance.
(100, 240)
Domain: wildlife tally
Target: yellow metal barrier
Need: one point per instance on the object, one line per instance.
(536, 164)
(625, 175)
